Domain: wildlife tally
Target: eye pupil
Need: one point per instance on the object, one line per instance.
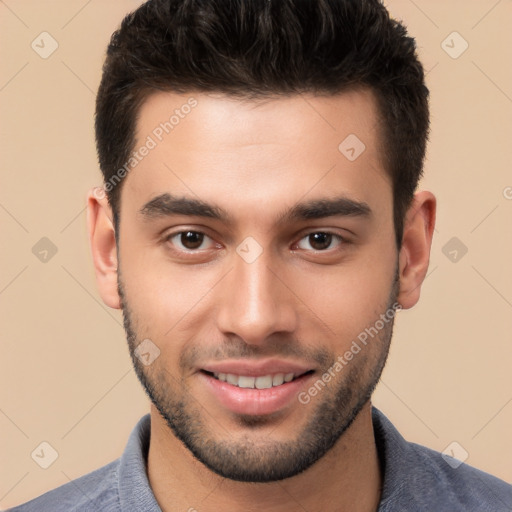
(320, 241)
(191, 239)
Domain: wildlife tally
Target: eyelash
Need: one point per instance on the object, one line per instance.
(191, 252)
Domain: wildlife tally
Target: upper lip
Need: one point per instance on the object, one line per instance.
(254, 368)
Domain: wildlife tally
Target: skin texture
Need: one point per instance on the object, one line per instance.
(256, 160)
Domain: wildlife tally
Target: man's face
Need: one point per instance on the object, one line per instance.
(246, 294)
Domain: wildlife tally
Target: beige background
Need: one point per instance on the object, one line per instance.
(65, 373)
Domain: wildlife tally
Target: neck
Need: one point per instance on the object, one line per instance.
(347, 478)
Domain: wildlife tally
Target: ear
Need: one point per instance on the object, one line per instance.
(103, 246)
(416, 243)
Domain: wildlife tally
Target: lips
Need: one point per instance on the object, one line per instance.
(254, 387)
(261, 368)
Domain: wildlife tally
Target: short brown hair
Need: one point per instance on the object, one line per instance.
(266, 48)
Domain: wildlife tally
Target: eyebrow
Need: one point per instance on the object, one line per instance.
(166, 205)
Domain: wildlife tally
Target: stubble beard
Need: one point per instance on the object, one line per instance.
(262, 458)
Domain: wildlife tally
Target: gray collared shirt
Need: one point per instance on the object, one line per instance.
(416, 479)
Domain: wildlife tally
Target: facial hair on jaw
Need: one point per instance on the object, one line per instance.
(246, 459)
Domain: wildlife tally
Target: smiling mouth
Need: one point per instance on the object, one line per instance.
(261, 382)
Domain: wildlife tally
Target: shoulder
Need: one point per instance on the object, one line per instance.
(462, 485)
(120, 485)
(421, 479)
(94, 491)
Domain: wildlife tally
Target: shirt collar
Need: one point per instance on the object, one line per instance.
(135, 493)
(396, 460)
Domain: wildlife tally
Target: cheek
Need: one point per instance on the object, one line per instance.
(342, 301)
(160, 291)
(171, 304)
(163, 299)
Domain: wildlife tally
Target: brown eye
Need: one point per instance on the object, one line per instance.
(191, 239)
(188, 240)
(319, 241)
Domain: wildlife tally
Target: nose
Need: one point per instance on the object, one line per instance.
(256, 302)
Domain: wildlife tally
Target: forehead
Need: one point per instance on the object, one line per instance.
(252, 156)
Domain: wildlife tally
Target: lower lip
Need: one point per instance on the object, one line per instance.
(254, 401)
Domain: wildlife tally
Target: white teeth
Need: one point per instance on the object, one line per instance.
(246, 382)
(262, 382)
(232, 379)
(278, 379)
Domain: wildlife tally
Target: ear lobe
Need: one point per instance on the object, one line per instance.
(103, 246)
(414, 254)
